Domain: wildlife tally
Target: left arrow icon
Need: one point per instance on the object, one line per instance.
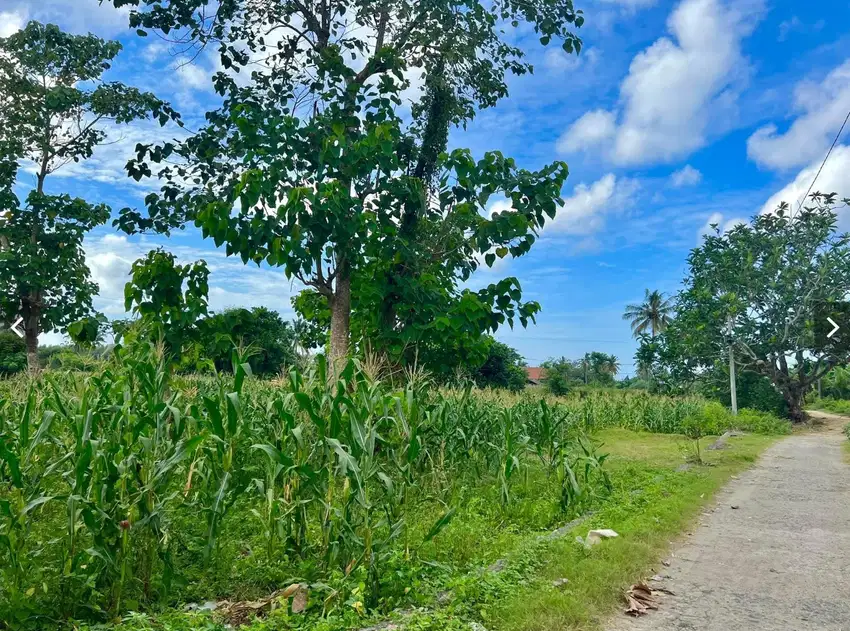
(836, 327)
(16, 328)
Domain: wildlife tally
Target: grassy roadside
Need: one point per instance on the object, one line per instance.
(653, 501)
(661, 504)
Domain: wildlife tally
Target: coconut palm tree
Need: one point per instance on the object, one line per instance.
(652, 315)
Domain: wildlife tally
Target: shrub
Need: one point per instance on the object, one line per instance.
(696, 427)
(13, 353)
(838, 406)
(271, 340)
(715, 418)
(753, 391)
(503, 368)
(761, 422)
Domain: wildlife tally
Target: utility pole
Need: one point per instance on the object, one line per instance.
(733, 388)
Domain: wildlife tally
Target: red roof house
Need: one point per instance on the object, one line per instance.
(535, 374)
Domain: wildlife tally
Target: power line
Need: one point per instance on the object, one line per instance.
(834, 142)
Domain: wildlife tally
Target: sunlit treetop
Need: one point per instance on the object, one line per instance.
(468, 41)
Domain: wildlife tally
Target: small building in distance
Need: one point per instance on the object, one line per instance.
(535, 375)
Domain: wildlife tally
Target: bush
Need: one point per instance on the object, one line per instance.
(503, 368)
(714, 419)
(13, 353)
(759, 422)
(754, 391)
(269, 339)
(838, 406)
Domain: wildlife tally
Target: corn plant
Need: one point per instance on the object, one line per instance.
(509, 450)
(547, 430)
(22, 476)
(222, 467)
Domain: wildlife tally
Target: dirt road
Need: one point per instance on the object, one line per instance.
(780, 560)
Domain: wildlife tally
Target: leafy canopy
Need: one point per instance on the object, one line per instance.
(652, 315)
(503, 368)
(761, 288)
(169, 299)
(326, 178)
(54, 109)
(595, 369)
(267, 341)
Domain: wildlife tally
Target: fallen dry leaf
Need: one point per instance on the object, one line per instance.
(289, 592)
(299, 601)
(242, 612)
(640, 599)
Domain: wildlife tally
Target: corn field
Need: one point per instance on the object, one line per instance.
(114, 484)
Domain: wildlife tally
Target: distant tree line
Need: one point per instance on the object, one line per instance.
(594, 369)
(265, 340)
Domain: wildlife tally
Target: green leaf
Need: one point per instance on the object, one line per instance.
(440, 524)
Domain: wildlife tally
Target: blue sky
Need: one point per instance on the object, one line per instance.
(674, 116)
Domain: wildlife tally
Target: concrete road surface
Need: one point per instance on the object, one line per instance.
(780, 561)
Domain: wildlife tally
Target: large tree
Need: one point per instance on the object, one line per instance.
(763, 289)
(54, 110)
(330, 181)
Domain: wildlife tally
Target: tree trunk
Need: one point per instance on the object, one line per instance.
(31, 337)
(794, 399)
(340, 304)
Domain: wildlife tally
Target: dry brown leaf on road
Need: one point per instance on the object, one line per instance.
(640, 599)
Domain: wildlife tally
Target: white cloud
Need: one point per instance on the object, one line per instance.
(835, 178)
(584, 213)
(795, 25)
(193, 76)
(11, 22)
(232, 284)
(787, 26)
(716, 219)
(673, 88)
(821, 109)
(686, 176)
(591, 129)
(107, 164)
(681, 87)
(78, 16)
(632, 4)
(155, 51)
(558, 60)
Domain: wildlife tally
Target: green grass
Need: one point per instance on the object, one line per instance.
(656, 506)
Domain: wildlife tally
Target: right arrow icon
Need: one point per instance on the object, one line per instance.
(836, 327)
